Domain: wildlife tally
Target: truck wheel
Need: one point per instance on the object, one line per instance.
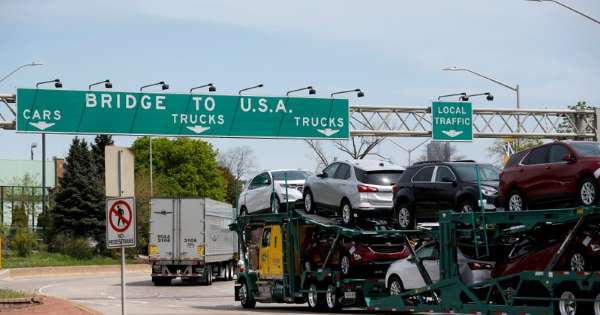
(347, 213)
(597, 305)
(316, 301)
(308, 201)
(246, 297)
(228, 272)
(331, 298)
(567, 303)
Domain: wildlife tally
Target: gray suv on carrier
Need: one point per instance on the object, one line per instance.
(353, 189)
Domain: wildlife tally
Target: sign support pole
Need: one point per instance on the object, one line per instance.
(120, 179)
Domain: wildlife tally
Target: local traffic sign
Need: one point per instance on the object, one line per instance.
(452, 121)
(120, 222)
(94, 112)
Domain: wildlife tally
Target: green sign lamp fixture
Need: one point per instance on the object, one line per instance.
(57, 83)
(211, 87)
(250, 88)
(358, 94)
(107, 84)
(310, 89)
(163, 85)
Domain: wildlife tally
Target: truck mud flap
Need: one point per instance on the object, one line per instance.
(236, 291)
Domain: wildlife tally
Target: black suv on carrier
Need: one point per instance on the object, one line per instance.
(427, 187)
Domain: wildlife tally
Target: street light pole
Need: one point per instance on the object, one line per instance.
(569, 8)
(163, 87)
(514, 89)
(57, 84)
(33, 64)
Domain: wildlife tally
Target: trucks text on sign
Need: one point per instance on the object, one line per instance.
(94, 112)
(452, 121)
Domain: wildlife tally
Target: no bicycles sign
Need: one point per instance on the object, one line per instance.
(120, 222)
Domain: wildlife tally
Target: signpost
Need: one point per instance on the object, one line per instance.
(121, 228)
(452, 121)
(100, 112)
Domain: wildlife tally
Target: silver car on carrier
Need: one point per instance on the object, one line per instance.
(353, 189)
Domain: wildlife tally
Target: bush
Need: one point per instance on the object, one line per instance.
(79, 248)
(23, 242)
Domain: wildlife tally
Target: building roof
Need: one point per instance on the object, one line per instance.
(13, 171)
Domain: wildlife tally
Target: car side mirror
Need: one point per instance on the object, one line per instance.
(569, 158)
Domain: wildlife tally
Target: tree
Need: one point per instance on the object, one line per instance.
(100, 142)
(357, 148)
(76, 212)
(440, 151)
(240, 161)
(498, 149)
(181, 168)
(575, 119)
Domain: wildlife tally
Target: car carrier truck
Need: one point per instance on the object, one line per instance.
(190, 238)
(274, 273)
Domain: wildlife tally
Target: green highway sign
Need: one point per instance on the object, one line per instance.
(124, 113)
(452, 121)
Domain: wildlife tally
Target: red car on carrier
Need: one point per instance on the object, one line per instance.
(362, 255)
(534, 250)
(551, 174)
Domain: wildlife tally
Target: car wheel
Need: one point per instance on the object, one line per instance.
(275, 204)
(246, 297)
(516, 201)
(404, 216)
(308, 201)
(395, 286)
(345, 265)
(316, 301)
(466, 206)
(347, 213)
(587, 192)
(567, 303)
(331, 298)
(577, 262)
(597, 305)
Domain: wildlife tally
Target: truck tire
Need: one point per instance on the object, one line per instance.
(231, 271)
(161, 281)
(567, 303)
(316, 301)
(331, 298)
(246, 297)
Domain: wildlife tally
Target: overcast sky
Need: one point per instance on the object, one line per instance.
(393, 50)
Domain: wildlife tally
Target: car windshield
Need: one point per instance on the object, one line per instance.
(291, 175)
(383, 178)
(486, 172)
(587, 148)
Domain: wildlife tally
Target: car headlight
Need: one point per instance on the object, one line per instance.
(489, 191)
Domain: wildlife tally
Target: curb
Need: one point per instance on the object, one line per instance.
(91, 270)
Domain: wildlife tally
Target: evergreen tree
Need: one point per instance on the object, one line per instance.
(77, 212)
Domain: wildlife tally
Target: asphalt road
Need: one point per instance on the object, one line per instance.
(102, 293)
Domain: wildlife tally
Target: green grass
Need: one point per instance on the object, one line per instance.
(10, 294)
(45, 259)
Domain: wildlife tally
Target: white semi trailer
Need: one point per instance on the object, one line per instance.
(190, 238)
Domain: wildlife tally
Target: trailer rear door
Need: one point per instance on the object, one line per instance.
(191, 235)
(162, 229)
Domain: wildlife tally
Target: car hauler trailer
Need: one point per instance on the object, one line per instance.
(190, 238)
(531, 292)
